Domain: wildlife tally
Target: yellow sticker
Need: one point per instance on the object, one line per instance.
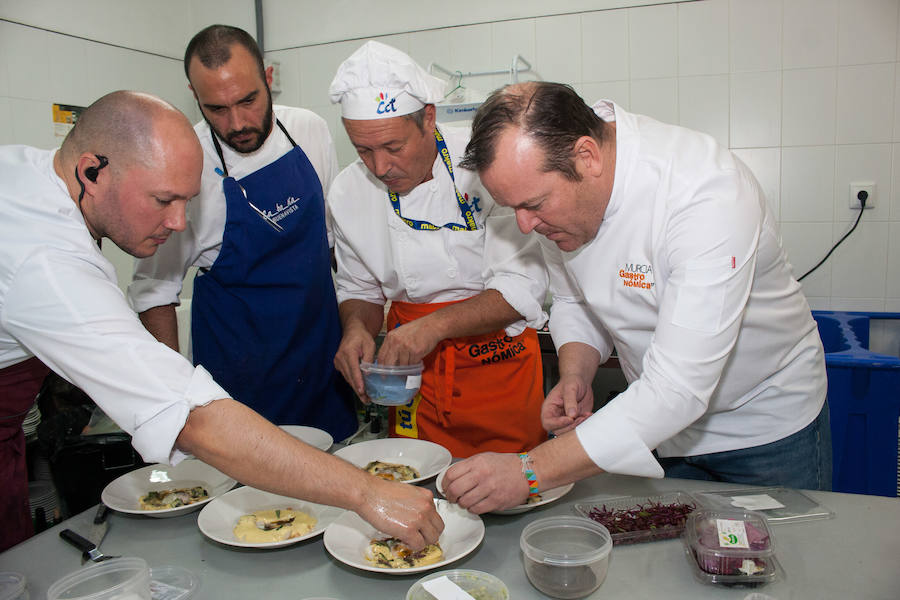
(405, 418)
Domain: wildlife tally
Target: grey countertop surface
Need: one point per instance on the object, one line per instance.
(853, 555)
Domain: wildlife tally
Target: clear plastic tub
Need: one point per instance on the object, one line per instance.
(12, 586)
(391, 385)
(730, 547)
(630, 520)
(479, 585)
(566, 557)
(119, 579)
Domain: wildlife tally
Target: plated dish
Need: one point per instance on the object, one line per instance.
(218, 519)
(348, 539)
(319, 438)
(427, 458)
(547, 497)
(125, 493)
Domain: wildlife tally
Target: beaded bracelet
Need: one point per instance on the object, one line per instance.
(530, 477)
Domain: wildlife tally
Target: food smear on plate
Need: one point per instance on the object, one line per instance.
(392, 471)
(663, 521)
(534, 499)
(162, 499)
(275, 525)
(391, 553)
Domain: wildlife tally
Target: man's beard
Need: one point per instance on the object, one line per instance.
(261, 134)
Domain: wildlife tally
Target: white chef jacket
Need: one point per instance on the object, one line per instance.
(381, 258)
(687, 279)
(158, 279)
(60, 301)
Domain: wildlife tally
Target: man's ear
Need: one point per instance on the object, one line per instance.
(269, 70)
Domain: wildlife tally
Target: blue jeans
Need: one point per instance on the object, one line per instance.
(801, 460)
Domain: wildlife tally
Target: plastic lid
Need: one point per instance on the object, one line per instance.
(565, 541)
(777, 504)
(108, 579)
(487, 586)
(375, 368)
(172, 583)
(12, 585)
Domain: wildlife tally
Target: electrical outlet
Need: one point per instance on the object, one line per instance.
(857, 188)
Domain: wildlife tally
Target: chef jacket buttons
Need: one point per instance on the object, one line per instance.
(451, 272)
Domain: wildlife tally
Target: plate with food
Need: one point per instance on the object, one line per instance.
(319, 438)
(398, 459)
(541, 499)
(251, 518)
(357, 544)
(166, 491)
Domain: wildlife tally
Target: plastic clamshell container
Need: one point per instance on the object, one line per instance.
(173, 583)
(566, 556)
(391, 385)
(730, 547)
(620, 503)
(115, 579)
(777, 504)
(478, 584)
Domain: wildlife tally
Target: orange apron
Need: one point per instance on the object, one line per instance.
(480, 393)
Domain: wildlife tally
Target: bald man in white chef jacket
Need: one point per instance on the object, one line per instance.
(466, 288)
(659, 243)
(126, 171)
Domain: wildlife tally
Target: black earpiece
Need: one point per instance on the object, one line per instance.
(92, 172)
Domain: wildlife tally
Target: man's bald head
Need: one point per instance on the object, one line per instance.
(129, 128)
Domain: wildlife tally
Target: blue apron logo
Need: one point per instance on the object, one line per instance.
(384, 105)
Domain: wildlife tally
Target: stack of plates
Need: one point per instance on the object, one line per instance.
(42, 494)
(31, 422)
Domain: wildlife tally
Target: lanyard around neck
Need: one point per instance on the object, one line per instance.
(218, 146)
(464, 209)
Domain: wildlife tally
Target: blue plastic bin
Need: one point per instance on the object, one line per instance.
(864, 397)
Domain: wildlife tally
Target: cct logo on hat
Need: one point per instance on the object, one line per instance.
(384, 105)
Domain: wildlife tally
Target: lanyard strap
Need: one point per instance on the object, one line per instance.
(464, 208)
(218, 147)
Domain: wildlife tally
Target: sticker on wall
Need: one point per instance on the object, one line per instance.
(64, 117)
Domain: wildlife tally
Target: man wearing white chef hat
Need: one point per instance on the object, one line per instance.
(466, 288)
(126, 172)
(659, 243)
(264, 318)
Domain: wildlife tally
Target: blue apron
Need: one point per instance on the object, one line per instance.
(264, 315)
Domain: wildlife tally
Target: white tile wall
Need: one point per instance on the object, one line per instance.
(804, 91)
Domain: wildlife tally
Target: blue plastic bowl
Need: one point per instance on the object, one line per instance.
(391, 385)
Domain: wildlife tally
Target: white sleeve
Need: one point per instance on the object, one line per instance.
(157, 280)
(512, 265)
(570, 318)
(353, 280)
(325, 163)
(68, 313)
(712, 244)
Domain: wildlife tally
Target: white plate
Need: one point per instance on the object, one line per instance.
(427, 458)
(348, 538)
(123, 494)
(218, 518)
(547, 497)
(314, 437)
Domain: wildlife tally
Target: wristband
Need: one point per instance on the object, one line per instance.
(530, 477)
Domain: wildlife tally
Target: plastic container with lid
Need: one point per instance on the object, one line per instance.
(566, 557)
(391, 385)
(479, 585)
(730, 547)
(631, 519)
(12, 586)
(118, 578)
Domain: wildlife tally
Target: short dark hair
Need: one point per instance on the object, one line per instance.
(212, 47)
(552, 114)
(418, 118)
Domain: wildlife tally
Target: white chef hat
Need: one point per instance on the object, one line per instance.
(379, 82)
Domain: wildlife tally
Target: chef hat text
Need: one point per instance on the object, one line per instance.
(380, 82)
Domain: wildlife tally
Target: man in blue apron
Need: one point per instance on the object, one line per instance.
(264, 316)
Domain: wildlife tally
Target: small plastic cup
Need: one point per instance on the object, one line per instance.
(391, 385)
(118, 578)
(566, 557)
(485, 585)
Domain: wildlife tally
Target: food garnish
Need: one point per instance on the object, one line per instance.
(658, 520)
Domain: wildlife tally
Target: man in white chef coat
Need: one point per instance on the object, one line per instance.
(126, 172)
(659, 244)
(264, 318)
(466, 288)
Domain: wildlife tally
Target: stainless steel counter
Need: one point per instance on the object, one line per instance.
(855, 555)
